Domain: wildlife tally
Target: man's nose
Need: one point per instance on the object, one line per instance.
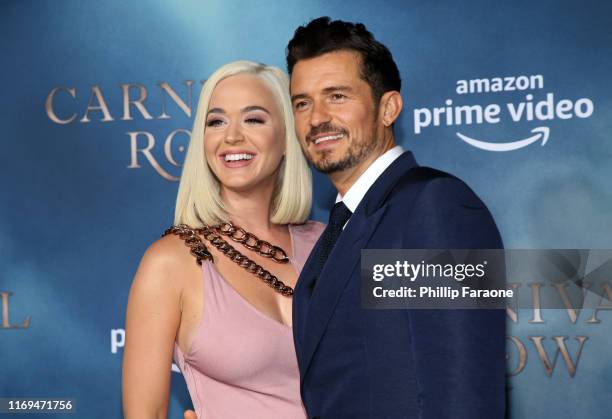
(319, 114)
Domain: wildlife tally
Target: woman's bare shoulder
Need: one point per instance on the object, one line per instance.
(169, 250)
(165, 262)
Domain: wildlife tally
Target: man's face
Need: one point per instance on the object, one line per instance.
(335, 114)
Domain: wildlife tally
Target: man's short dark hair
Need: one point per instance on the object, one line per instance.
(323, 35)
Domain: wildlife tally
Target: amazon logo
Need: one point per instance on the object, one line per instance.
(533, 107)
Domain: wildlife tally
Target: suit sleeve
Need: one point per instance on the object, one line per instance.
(459, 355)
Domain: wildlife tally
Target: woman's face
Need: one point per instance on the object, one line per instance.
(244, 139)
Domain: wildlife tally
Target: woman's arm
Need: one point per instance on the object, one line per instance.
(153, 319)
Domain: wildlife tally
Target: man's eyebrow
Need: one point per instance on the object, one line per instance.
(331, 89)
(243, 110)
(326, 91)
(298, 96)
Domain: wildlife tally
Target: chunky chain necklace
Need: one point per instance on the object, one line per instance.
(251, 242)
(211, 234)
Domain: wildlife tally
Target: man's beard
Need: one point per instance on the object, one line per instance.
(356, 153)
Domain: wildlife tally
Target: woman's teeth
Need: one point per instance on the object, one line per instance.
(236, 157)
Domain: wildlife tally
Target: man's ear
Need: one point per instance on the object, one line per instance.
(391, 104)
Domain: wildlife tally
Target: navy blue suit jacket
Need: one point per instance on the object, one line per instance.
(427, 364)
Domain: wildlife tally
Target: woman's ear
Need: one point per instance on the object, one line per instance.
(391, 104)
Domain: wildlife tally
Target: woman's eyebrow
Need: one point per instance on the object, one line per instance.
(254, 108)
(215, 110)
(243, 110)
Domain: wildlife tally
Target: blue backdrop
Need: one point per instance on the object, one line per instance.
(87, 185)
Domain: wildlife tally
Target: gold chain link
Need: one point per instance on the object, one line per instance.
(199, 250)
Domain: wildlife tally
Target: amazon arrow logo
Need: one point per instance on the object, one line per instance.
(540, 133)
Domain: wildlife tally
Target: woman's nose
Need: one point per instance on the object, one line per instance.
(234, 134)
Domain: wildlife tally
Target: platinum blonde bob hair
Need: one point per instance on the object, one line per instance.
(199, 201)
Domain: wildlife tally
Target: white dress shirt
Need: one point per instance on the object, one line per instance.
(355, 194)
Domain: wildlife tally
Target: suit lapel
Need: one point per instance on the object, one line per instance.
(333, 279)
(313, 308)
(301, 298)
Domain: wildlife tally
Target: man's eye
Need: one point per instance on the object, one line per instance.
(214, 123)
(338, 96)
(299, 105)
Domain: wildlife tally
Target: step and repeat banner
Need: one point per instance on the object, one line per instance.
(97, 104)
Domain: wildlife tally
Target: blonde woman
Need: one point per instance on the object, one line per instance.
(214, 293)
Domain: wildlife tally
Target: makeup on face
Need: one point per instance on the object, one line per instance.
(244, 134)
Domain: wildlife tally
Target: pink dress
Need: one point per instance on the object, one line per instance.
(242, 363)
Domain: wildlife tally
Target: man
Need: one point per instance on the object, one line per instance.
(358, 363)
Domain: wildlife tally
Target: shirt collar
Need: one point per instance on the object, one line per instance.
(357, 191)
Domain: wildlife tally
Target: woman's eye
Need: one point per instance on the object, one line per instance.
(214, 123)
(254, 120)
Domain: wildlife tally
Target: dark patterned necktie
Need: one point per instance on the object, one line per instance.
(337, 218)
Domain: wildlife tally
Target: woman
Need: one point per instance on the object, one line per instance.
(245, 193)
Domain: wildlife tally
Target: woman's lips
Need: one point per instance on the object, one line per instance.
(232, 160)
